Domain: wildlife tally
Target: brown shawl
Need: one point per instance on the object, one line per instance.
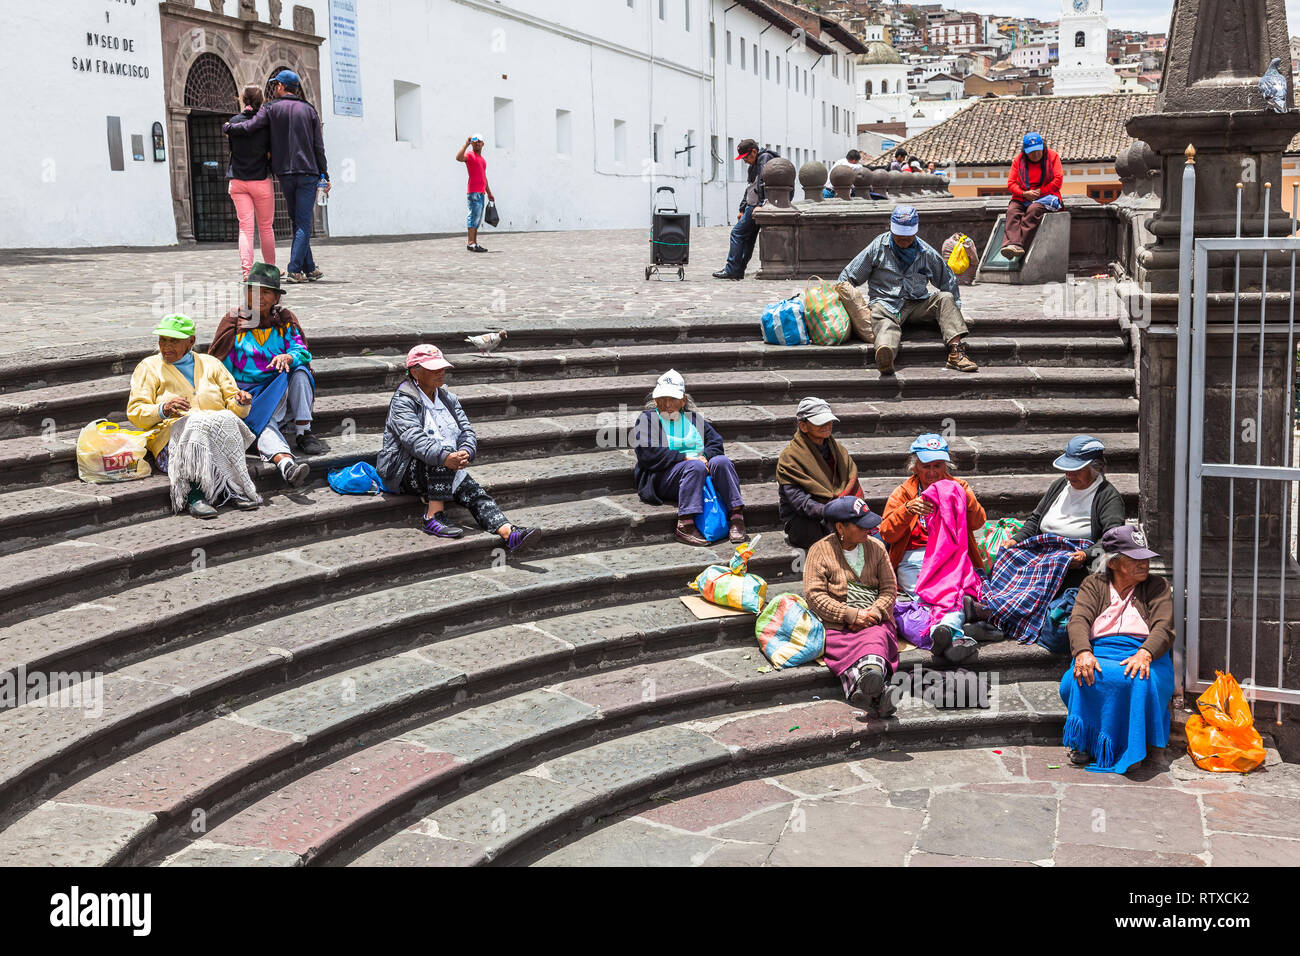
(802, 464)
(223, 340)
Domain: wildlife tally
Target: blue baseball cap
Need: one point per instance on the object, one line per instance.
(1032, 142)
(851, 510)
(1079, 451)
(931, 447)
(904, 221)
(288, 78)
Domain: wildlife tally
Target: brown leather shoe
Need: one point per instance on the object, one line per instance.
(958, 360)
(885, 360)
(1012, 251)
(687, 533)
(736, 531)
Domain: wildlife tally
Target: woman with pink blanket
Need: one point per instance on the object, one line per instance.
(929, 524)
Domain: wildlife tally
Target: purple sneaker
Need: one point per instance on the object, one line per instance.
(520, 537)
(435, 527)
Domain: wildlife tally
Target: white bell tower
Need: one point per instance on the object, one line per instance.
(1082, 67)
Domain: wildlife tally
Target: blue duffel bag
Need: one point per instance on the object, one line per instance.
(783, 323)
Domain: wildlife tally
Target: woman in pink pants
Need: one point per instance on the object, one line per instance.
(251, 188)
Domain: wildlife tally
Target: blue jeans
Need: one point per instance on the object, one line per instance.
(684, 483)
(477, 203)
(743, 236)
(909, 569)
(300, 196)
(294, 406)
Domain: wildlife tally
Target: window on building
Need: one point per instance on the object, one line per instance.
(1080, 39)
(835, 119)
(687, 8)
(620, 141)
(713, 157)
(713, 41)
(767, 64)
(730, 159)
(663, 9)
(742, 53)
(796, 79)
(729, 48)
(754, 49)
(406, 112)
(654, 142)
(884, 87)
(1104, 194)
(778, 71)
(690, 148)
(631, 4)
(503, 114)
(823, 114)
(564, 132)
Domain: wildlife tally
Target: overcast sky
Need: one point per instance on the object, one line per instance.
(1149, 15)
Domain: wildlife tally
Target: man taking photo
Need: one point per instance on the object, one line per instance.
(471, 154)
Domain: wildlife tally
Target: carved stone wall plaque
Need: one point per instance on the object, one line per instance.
(304, 19)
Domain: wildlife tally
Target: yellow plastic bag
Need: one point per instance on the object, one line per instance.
(1223, 738)
(106, 452)
(959, 259)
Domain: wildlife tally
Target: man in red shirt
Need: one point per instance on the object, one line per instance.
(1035, 187)
(478, 187)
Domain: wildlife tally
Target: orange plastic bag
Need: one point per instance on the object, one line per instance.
(1223, 738)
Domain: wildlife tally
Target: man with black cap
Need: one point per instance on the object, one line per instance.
(298, 161)
(745, 232)
(898, 268)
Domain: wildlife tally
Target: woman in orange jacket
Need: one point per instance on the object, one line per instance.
(903, 529)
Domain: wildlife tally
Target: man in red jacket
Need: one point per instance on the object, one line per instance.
(1035, 187)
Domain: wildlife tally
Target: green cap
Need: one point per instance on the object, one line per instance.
(175, 327)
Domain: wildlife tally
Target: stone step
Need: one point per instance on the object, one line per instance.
(525, 815)
(604, 676)
(35, 411)
(32, 517)
(320, 529)
(56, 365)
(352, 428)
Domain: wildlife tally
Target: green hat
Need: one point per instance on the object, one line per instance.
(175, 327)
(268, 277)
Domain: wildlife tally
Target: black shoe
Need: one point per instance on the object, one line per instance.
(245, 504)
(940, 641)
(309, 444)
(1079, 758)
(868, 688)
(294, 472)
(973, 610)
(199, 508)
(724, 274)
(475, 248)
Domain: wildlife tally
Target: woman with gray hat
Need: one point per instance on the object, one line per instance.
(850, 585)
(1117, 691)
(812, 470)
(676, 450)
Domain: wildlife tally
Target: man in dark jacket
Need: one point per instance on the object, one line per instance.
(298, 161)
(745, 232)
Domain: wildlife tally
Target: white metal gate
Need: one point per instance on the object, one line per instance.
(1251, 580)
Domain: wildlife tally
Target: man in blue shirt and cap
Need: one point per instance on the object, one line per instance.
(898, 268)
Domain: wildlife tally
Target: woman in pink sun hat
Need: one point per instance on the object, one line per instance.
(428, 445)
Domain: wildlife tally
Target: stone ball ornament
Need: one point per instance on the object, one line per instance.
(778, 181)
(842, 178)
(812, 177)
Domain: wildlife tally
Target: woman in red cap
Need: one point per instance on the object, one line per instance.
(428, 445)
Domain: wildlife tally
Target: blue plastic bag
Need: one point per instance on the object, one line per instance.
(358, 479)
(783, 323)
(712, 521)
(1051, 202)
(1054, 634)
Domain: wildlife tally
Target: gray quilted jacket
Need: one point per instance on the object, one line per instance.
(405, 437)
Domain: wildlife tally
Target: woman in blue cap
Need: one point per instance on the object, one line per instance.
(1117, 691)
(849, 585)
(1035, 187)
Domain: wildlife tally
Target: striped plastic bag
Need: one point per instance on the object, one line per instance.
(824, 313)
(732, 586)
(788, 633)
(783, 323)
(993, 537)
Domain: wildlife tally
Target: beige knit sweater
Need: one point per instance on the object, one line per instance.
(826, 581)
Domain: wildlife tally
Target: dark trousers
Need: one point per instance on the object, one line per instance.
(1022, 222)
(803, 532)
(300, 196)
(432, 483)
(684, 484)
(743, 236)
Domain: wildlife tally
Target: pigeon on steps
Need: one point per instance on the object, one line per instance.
(488, 342)
(1272, 86)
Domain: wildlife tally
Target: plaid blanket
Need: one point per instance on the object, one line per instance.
(1025, 579)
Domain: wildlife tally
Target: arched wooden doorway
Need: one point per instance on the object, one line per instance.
(212, 98)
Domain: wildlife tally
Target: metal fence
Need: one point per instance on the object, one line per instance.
(1232, 577)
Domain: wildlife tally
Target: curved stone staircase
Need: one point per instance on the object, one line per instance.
(318, 682)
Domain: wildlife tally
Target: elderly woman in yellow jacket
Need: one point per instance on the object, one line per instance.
(195, 411)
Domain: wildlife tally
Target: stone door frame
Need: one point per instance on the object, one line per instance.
(250, 49)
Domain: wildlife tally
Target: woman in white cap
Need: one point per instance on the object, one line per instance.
(428, 444)
(1117, 691)
(812, 470)
(676, 449)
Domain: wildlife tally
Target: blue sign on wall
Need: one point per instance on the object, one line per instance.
(345, 59)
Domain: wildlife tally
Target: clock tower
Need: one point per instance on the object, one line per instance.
(1082, 67)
